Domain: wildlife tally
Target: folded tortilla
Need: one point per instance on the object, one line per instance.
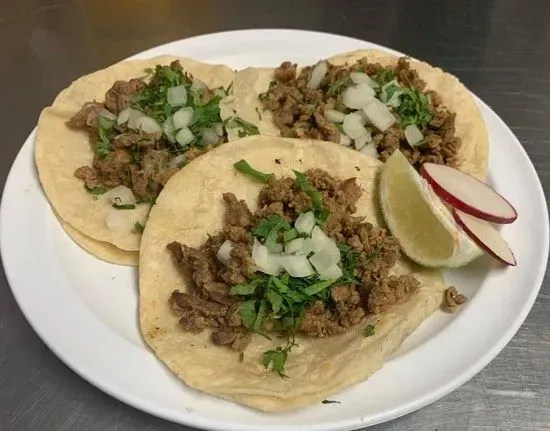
(60, 150)
(473, 154)
(190, 207)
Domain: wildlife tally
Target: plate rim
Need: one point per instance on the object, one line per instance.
(348, 423)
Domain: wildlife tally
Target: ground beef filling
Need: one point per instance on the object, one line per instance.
(298, 111)
(209, 305)
(140, 161)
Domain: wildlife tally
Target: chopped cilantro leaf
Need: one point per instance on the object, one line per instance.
(260, 317)
(264, 96)
(330, 402)
(369, 331)
(245, 128)
(317, 287)
(138, 227)
(259, 113)
(414, 109)
(304, 185)
(277, 359)
(337, 87)
(383, 76)
(246, 169)
(96, 191)
(248, 313)
(275, 299)
(103, 146)
(290, 234)
(246, 289)
(206, 115)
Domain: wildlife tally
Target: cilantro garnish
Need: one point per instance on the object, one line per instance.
(264, 96)
(337, 87)
(206, 115)
(269, 229)
(383, 76)
(290, 234)
(321, 212)
(138, 227)
(243, 166)
(259, 113)
(414, 108)
(330, 402)
(369, 331)
(103, 146)
(277, 359)
(245, 128)
(96, 191)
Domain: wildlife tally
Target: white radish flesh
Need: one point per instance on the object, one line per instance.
(296, 265)
(224, 252)
(334, 116)
(354, 125)
(379, 115)
(413, 135)
(467, 194)
(176, 96)
(357, 96)
(305, 223)
(317, 75)
(486, 237)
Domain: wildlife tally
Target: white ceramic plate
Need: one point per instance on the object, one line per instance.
(86, 310)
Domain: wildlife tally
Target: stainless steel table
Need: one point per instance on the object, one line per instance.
(499, 48)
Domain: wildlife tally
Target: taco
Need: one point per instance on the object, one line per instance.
(266, 277)
(369, 100)
(111, 140)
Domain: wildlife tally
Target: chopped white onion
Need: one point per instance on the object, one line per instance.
(123, 116)
(294, 246)
(177, 161)
(265, 261)
(177, 96)
(169, 129)
(209, 136)
(370, 150)
(362, 140)
(413, 135)
(357, 96)
(307, 247)
(218, 128)
(184, 137)
(224, 252)
(296, 265)
(317, 75)
(334, 116)
(134, 116)
(118, 221)
(379, 115)
(305, 223)
(107, 114)
(323, 259)
(183, 117)
(276, 249)
(383, 90)
(148, 125)
(345, 140)
(321, 242)
(363, 78)
(122, 195)
(332, 272)
(354, 125)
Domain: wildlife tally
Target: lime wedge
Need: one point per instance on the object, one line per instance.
(420, 221)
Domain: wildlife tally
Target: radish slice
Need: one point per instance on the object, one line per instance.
(468, 194)
(486, 237)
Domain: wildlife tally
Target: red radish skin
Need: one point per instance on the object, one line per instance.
(462, 220)
(463, 206)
